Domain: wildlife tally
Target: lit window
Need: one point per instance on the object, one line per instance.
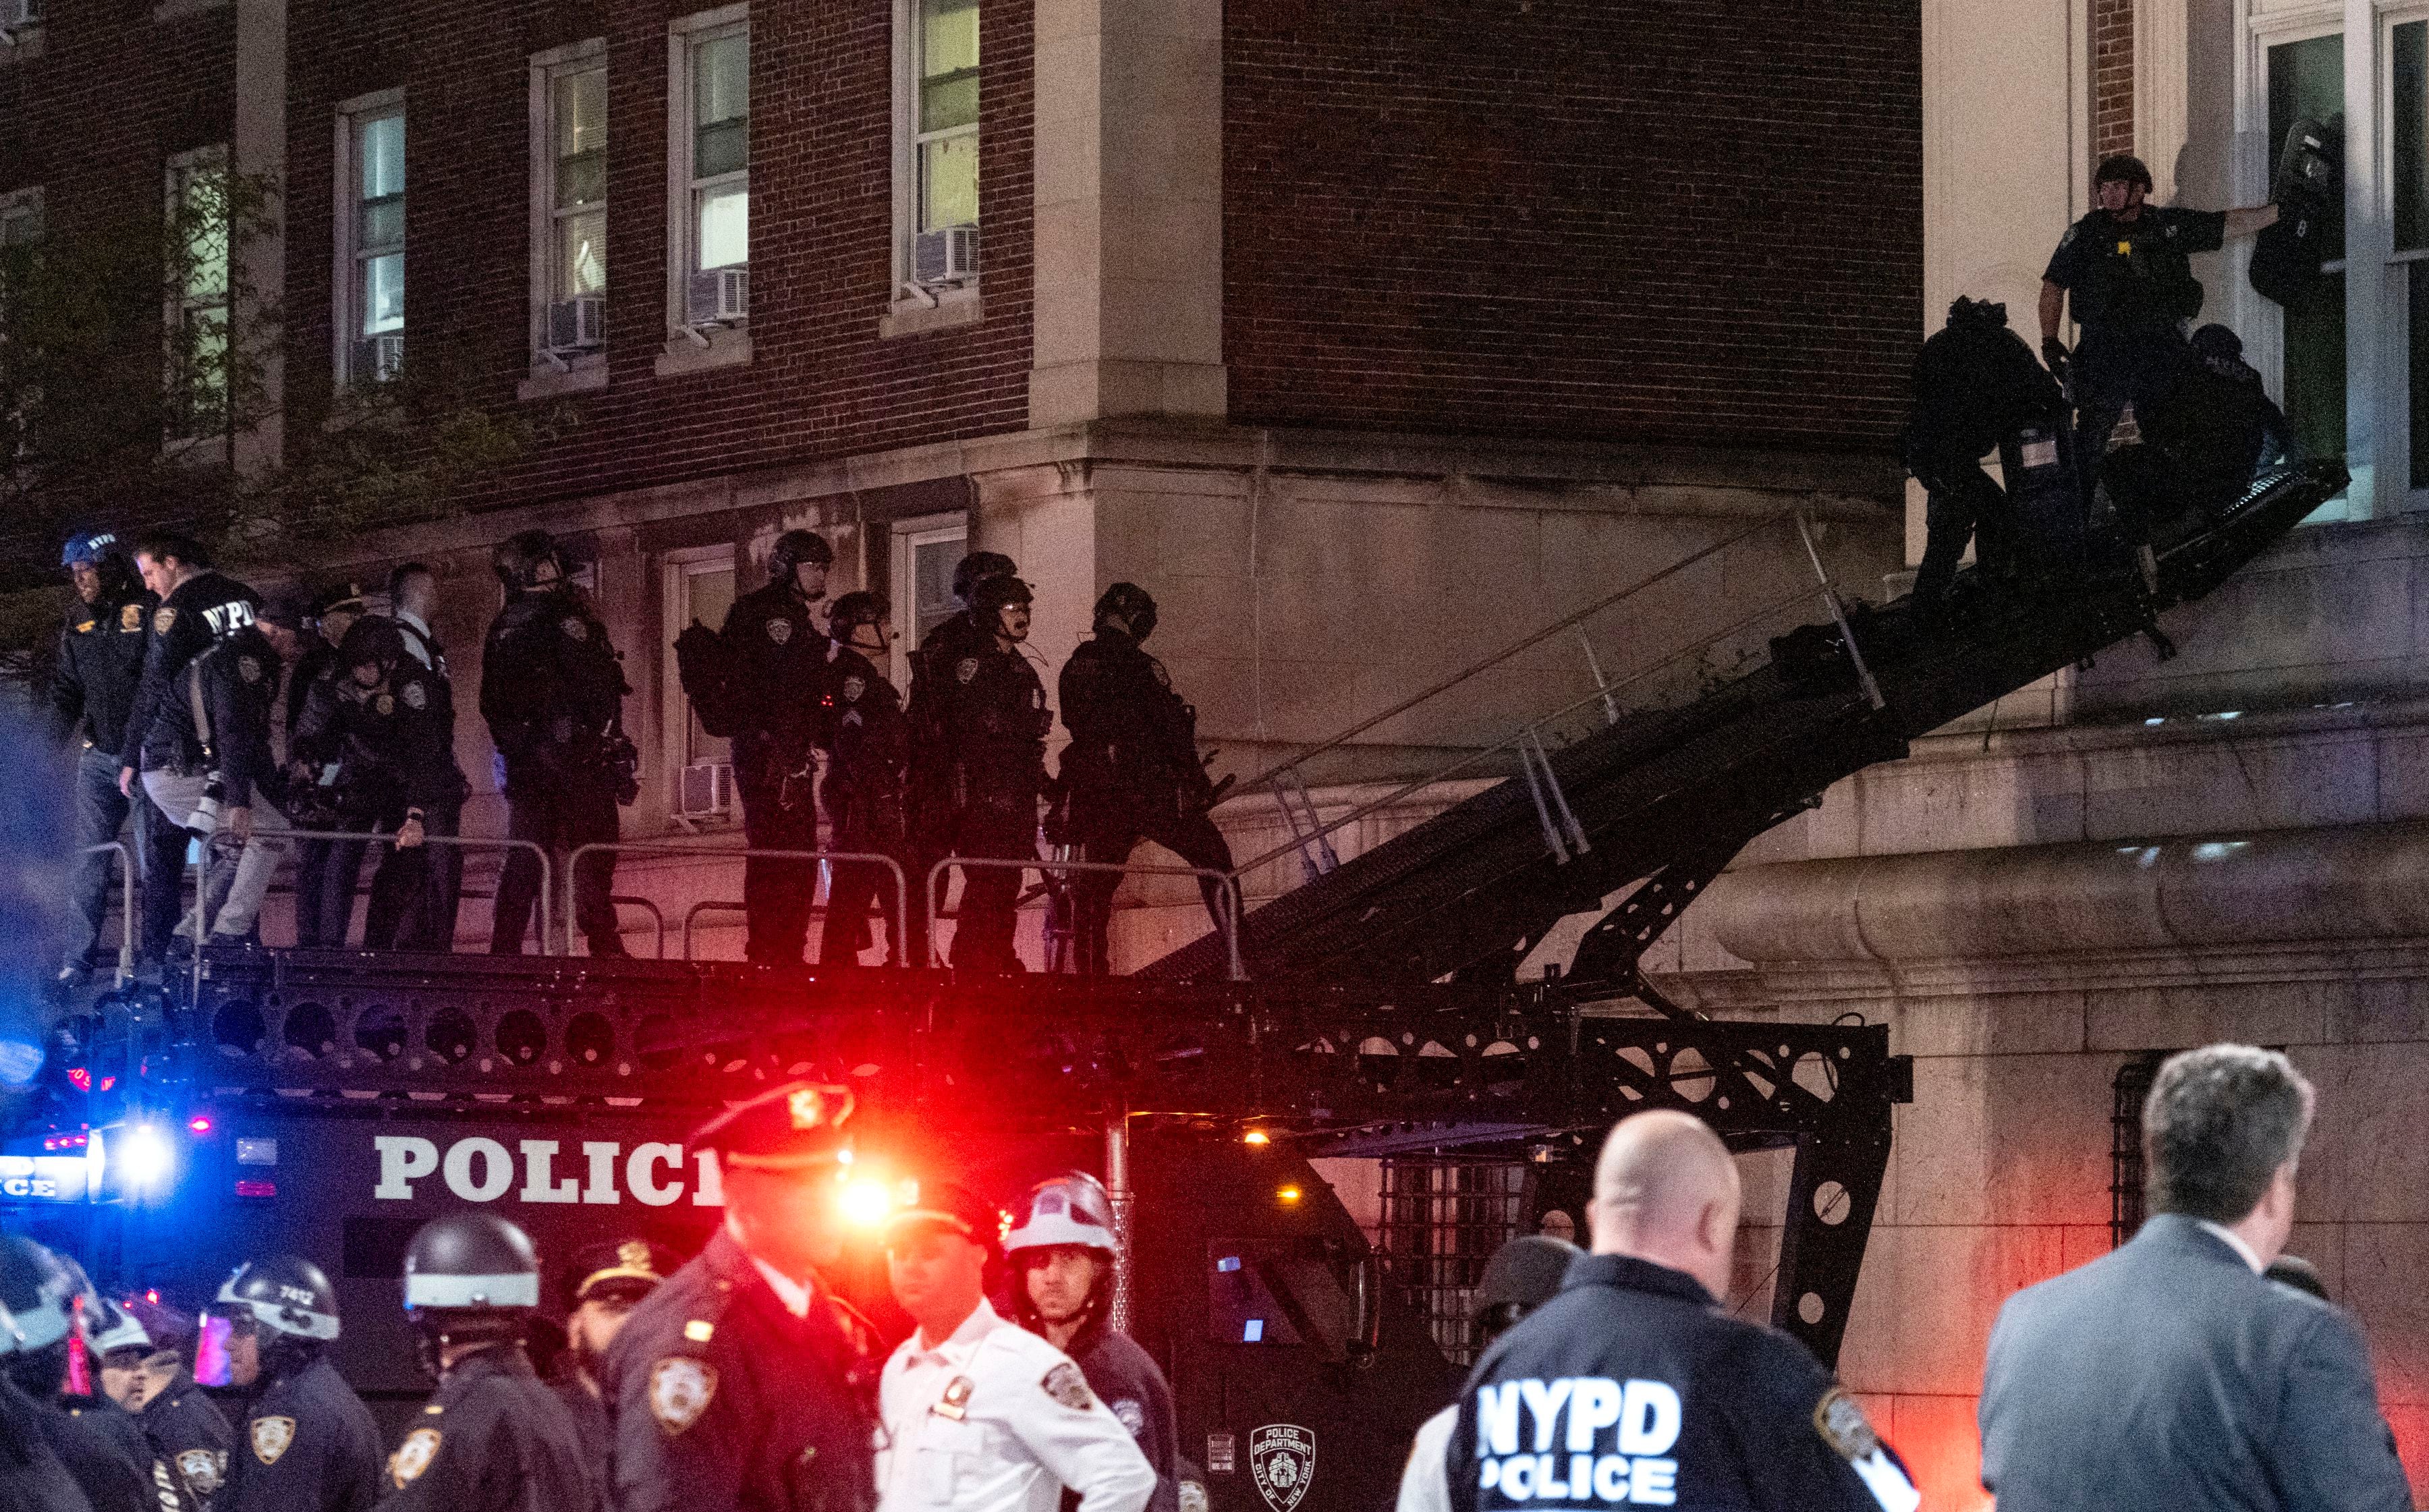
(198, 211)
(370, 229)
(947, 144)
(709, 150)
(570, 203)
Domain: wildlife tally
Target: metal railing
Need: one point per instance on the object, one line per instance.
(658, 917)
(1227, 884)
(125, 901)
(220, 840)
(718, 852)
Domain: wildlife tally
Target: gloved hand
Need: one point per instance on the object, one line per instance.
(2055, 354)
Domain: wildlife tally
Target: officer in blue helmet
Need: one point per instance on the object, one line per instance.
(93, 681)
(42, 1297)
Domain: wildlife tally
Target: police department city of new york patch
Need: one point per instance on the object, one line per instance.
(1064, 1384)
(1282, 1460)
(572, 628)
(966, 668)
(681, 1389)
(132, 617)
(271, 1437)
(852, 688)
(203, 1470)
(162, 618)
(385, 704)
(1841, 1425)
(1134, 1417)
(249, 668)
(780, 629)
(415, 697)
(413, 1457)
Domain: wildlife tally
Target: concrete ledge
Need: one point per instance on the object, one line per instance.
(917, 317)
(585, 375)
(728, 347)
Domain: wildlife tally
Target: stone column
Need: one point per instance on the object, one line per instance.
(259, 150)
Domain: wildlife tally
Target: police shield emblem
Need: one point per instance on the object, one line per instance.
(852, 688)
(202, 1469)
(413, 1457)
(271, 1437)
(966, 668)
(681, 1389)
(415, 696)
(132, 617)
(249, 668)
(385, 704)
(1282, 1460)
(572, 628)
(1065, 1384)
(162, 618)
(780, 629)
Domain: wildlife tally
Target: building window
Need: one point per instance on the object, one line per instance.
(925, 552)
(569, 205)
(198, 310)
(2408, 148)
(709, 147)
(2307, 80)
(699, 586)
(370, 239)
(936, 157)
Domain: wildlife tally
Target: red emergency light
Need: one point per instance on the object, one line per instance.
(200, 1123)
(257, 1188)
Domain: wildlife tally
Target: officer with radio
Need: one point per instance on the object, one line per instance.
(779, 663)
(995, 723)
(552, 692)
(870, 744)
(306, 1439)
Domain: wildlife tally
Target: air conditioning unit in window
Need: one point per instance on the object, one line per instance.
(717, 296)
(949, 255)
(378, 358)
(706, 790)
(578, 324)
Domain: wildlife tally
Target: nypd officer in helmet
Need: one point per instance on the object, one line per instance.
(494, 1437)
(304, 1439)
(1635, 1387)
(780, 657)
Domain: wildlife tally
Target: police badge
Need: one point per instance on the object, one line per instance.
(780, 629)
(131, 617)
(162, 618)
(385, 704)
(203, 1470)
(271, 1437)
(681, 1389)
(413, 1457)
(852, 688)
(966, 668)
(1282, 1460)
(249, 668)
(415, 696)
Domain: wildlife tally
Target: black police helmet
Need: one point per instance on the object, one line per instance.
(978, 566)
(1132, 603)
(2215, 343)
(992, 594)
(794, 548)
(372, 639)
(517, 558)
(37, 1296)
(853, 610)
(1964, 311)
(470, 1262)
(1522, 1275)
(2122, 168)
(285, 1295)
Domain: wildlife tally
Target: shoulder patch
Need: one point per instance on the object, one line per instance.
(965, 669)
(1843, 1426)
(1134, 1416)
(203, 1470)
(572, 628)
(162, 618)
(1065, 1384)
(414, 695)
(130, 616)
(271, 1437)
(249, 668)
(413, 1457)
(86, 628)
(681, 1389)
(780, 629)
(2067, 239)
(852, 688)
(1163, 678)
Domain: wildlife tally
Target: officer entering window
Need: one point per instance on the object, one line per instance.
(98, 669)
(601, 1289)
(1522, 1275)
(936, 796)
(869, 744)
(1975, 385)
(1132, 771)
(415, 892)
(742, 1381)
(104, 1452)
(996, 719)
(981, 1416)
(1064, 1256)
(2207, 430)
(493, 1439)
(1634, 1386)
(552, 692)
(144, 1369)
(306, 1439)
(780, 661)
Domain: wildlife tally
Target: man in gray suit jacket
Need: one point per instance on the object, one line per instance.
(2168, 1374)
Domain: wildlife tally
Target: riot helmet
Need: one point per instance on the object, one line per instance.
(978, 566)
(992, 596)
(285, 1295)
(470, 1279)
(373, 640)
(2217, 345)
(1134, 603)
(38, 1297)
(855, 610)
(517, 559)
(1071, 1208)
(2122, 168)
(1522, 1275)
(1986, 313)
(92, 548)
(794, 548)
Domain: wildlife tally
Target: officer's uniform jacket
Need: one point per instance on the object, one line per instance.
(100, 666)
(997, 1420)
(934, 797)
(236, 683)
(871, 744)
(492, 1438)
(307, 1442)
(206, 607)
(780, 657)
(1125, 1378)
(551, 687)
(394, 743)
(32, 1479)
(106, 1452)
(995, 721)
(1132, 738)
(1633, 1387)
(190, 1440)
(593, 1428)
(726, 1400)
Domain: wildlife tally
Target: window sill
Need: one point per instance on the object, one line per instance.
(179, 9)
(729, 346)
(27, 46)
(914, 316)
(585, 373)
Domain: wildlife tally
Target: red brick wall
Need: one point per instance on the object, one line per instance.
(822, 383)
(1637, 220)
(2112, 77)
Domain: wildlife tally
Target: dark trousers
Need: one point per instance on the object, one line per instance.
(779, 813)
(1001, 824)
(858, 886)
(1963, 501)
(414, 892)
(1109, 825)
(328, 874)
(2112, 369)
(157, 859)
(559, 814)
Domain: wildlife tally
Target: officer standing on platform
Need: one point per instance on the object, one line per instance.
(869, 742)
(100, 665)
(391, 725)
(603, 1285)
(414, 891)
(1641, 1385)
(307, 1441)
(934, 798)
(995, 721)
(493, 1439)
(1132, 771)
(552, 692)
(779, 659)
(742, 1382)
(39, 1295)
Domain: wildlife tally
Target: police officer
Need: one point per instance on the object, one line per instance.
(869, 742)
(143, 1369)
(311, 704)
(981, 1416)
(601, 1289)
(743, 1382)
(552, 691)
(1634, 1386)
(493, 1439)
(1132, 771)
(32, 1479)
(98, 669)
(41, 1294)
(779, 660)
(995, 719)
(196, 606)
(1522, 1275)
(2126, 267)
(934, 799)
(2206, 427)
(306, 1439)
(1976, 384)
(1064, 1258)
(415, 892)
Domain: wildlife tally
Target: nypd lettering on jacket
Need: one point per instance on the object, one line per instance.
(1578, 1439)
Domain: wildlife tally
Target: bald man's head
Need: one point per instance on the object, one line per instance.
(1666, 1191)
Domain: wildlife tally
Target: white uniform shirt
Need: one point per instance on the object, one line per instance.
(1425, 1480)
(1028, 1427)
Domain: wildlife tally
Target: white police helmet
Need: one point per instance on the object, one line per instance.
(114, 1328)
(1071, 1208)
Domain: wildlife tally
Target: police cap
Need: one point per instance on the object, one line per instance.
(346, 599)
(285, 607)
(947, 1205)
(793, 1128)
(630, 1268)
(978, 565)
